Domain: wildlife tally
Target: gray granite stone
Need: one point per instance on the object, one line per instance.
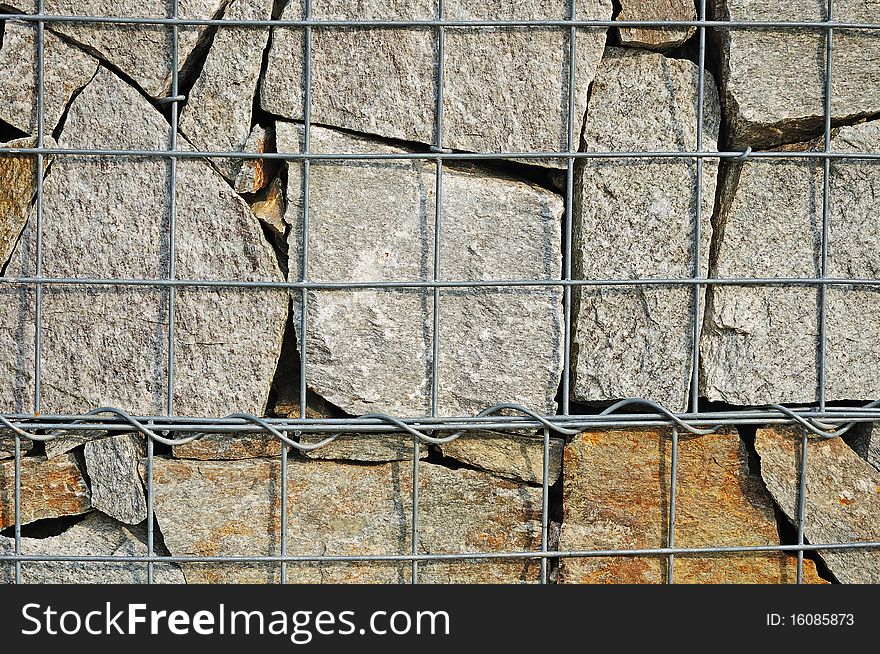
(635, 218)
(112, 465)
(504, 89)
(369, 350)
(664, 38)
(107, 346)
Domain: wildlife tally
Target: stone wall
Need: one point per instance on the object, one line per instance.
(371, 349)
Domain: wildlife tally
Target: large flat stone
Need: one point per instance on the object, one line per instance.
(233, 508)
(66, 71)
(774, 80)
(515, 456)
(107, 346)
(49, 489)
(504, 89)
(770, 225)
(616, 494)
(635, 218)
(97, 535)
(142, 52)
(664, 38)
(363, 447)
(112, 464)
(842, 502)
(218, 115)
(369, 350)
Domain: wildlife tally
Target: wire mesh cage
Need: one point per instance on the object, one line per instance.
(549, 285)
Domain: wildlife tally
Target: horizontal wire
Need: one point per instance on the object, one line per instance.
(415, 284)
(433, 156)
(364, 558)
(438, 22)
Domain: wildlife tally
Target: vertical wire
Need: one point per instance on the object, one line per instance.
(673, 494)
(826, 203)
(38, 270)
(545, 506)
(698, 218)
(282, 578)
(569, 213)
(801, 510)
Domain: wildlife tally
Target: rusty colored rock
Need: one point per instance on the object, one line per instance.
(229, 447)
(18, 184)
(233, 508)
(49, 489)
(842, 502)
(616, 496)
(652, 38)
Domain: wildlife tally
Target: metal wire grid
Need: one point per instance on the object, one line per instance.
(824, 420)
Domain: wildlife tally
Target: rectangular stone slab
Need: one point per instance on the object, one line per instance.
(515, 456)
(635, 218)
(773, 81)
(233, 508)
(770, 225)
(504, 89)
(664, 38)
(49, 489)
(616, 494)
(842, 502)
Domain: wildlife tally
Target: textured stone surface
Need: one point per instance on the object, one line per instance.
(656, 38)
(143, 52)
(842, 501)
(112, 465)
(635, 218)
(231, 508)
(7, 445)
(369, 350)
(759, 344)
(873, 451)
(67, 441)
(616, 496)
(97, 535)
(270, 209)
(18, 184)
(254, 174)
(49, 489)
(66, 71)
(106, 346)
(508, 455)
(504, 89)
(229, 447)
(774, 80)
(217, 116)
(364, 447)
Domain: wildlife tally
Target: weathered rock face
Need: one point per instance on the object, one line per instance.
(233, 508)
(217, 116)
(49, 489)
(66, 71)
(229, 447)
(97, 535)
(143, 52)
(254, 174)
(106, 346)
(873, 452)
(616, 496)
(370, 350)
(509, 455)
(770, 226)
(504, 89)
(18, 183)
(7, 445)
(774, 80)
(361, 447)
(656, 38)
(636, 219)
(842, 501)
(112, 464)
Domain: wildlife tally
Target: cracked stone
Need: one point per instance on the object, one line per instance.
(18, 183)
(96, 535)
(49, 489)
(513, 456)
(112, 465)
(616, 493)
(233, 508)
(218, 114)
(107, 346)
(66, 71)
(369, 350)
(254, 174)
(770, 225)
(142, 52)
(636, 218)
(504, 89)
(656, 38)
(270, 210)
(774, 81)
(842, 502)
